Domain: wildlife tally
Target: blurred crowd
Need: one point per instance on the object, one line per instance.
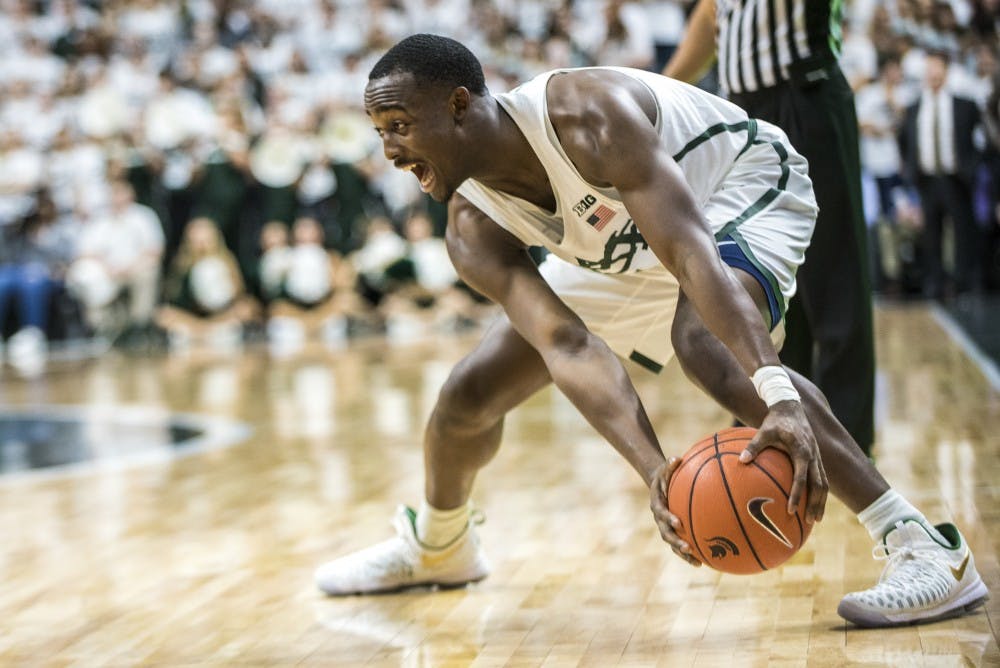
(931, 197)
(201, 170)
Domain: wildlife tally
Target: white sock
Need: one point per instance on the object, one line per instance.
(881, 516)
(437, 528)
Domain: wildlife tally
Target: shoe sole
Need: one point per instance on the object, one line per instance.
(404, 587)
(972, 598)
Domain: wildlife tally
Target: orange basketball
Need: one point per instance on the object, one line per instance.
(734, 516)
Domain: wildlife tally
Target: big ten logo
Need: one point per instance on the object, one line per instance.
(580, 207)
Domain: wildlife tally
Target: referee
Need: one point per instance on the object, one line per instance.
(778, 60)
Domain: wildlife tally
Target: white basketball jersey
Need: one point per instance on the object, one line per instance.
(591, 227)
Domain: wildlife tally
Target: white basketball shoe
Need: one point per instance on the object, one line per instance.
(924, 580)
(403, 561)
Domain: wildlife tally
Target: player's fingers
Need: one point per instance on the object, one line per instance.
(686, 554)
(668, 529)
(661, 515)
(662, 477)
(826, 490)
(672, 465)
(668, 532)
(675, 542)
(686, 557)
(753, 448)
(666, 521)
(658, 504)
(819, 488)
(814, 493)
(661, 484)
(800, 479)
(679, 544)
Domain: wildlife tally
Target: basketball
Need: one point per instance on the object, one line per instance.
(733, 515)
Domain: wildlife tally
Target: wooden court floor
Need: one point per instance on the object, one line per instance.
(207, 559)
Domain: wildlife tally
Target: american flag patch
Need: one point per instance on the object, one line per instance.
(602, 216)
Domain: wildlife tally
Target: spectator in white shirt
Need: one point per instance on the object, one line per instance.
(858, 58)
(36, 65)
(22, 168)
(442, 17)
(154, 22)
(881, 107)
(119, 253)
(329, 33)
(628, 40)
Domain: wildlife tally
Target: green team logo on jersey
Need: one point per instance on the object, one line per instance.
(619, 250)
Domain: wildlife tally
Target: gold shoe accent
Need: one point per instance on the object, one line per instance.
(960, 571)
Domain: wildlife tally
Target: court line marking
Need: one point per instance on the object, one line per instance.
(217, 433)
(986, 365)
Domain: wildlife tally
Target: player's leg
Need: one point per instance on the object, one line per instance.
(931, 573)
(829, 323)
(464, 430)
(437, 544)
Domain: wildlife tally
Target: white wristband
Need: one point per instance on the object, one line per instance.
(774, 385)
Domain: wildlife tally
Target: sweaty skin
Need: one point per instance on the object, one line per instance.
(605, 123)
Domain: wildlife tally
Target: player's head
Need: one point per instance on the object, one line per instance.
(433, 59)
(419, 96)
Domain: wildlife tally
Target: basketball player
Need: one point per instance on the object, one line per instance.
(675, 225)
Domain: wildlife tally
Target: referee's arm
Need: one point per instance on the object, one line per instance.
(696, 52)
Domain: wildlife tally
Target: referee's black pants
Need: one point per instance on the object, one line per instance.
(829, 322)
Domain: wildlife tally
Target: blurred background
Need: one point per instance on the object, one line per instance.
(179, 173)
(194, 187)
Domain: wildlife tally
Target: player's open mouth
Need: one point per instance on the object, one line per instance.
(423, 173)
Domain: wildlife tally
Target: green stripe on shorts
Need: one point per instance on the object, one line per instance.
(730, 228)
(763, 200)
(645, 362)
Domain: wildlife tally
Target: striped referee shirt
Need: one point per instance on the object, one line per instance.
(759, 39)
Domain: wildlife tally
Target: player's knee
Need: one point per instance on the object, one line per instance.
(688, 341)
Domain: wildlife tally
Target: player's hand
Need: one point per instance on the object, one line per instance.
(665, 520)
(787, 428)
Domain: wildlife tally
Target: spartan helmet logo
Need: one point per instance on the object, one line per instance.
(721, 546)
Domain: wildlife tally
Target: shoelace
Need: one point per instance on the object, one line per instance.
(897, 556)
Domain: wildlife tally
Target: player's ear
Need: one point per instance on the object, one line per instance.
(459, 103)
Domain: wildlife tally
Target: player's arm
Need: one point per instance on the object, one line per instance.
(696, 52)
(497, 264)
(608, 135)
